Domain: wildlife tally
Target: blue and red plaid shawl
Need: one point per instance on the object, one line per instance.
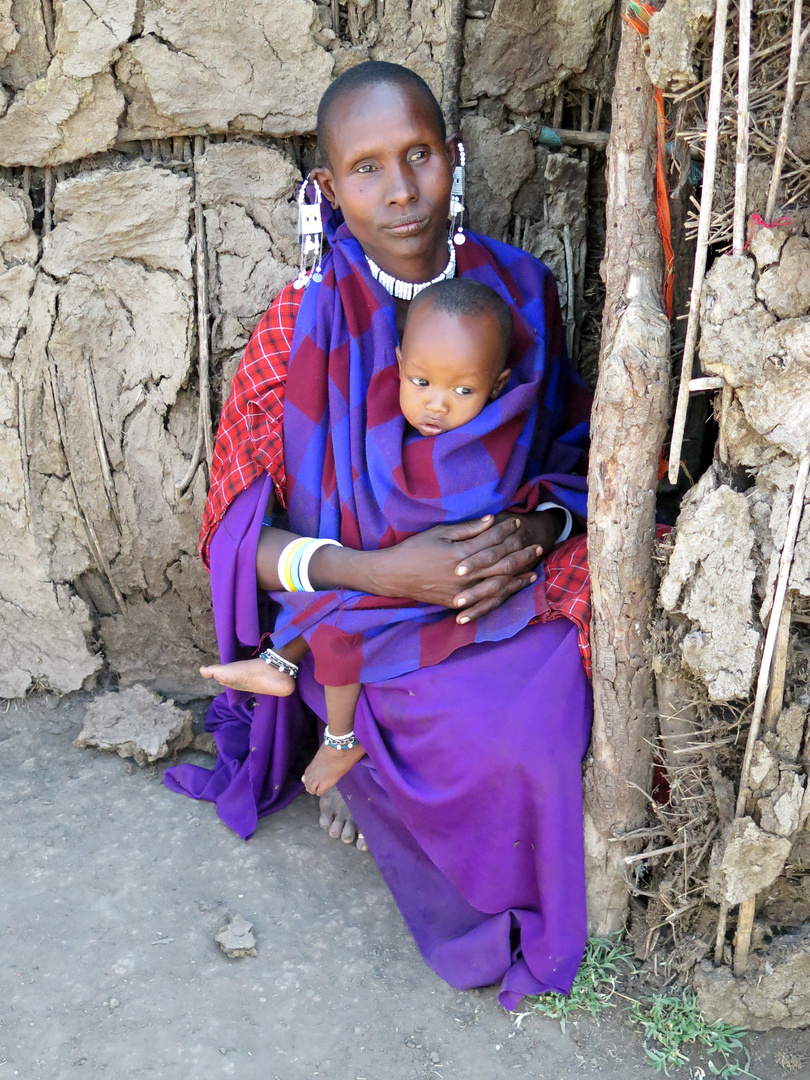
(357, 473)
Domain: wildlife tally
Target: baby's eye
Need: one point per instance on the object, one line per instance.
(463, 391)
(417, 381)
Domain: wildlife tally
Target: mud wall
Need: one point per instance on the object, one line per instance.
(118, 119)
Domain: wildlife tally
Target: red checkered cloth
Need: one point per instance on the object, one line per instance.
(249, 439)
(249, 442)
(568, 591)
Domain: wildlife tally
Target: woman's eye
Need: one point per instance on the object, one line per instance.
(365, 168)
(419, 155)
(463, 391)
(419, 382)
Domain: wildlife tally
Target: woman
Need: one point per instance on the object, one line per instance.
(470, 794)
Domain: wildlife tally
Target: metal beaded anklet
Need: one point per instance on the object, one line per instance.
(340, 742)
(274, 659)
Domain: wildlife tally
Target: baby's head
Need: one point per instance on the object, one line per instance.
(453, 356)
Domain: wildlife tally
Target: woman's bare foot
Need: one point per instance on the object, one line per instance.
(327, 767)
(253, 676)
(336, 818)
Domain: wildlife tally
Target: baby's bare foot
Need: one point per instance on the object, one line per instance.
(252, 676)
(327, 767)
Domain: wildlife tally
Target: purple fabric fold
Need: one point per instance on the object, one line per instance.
(257, 743)
(470, 796)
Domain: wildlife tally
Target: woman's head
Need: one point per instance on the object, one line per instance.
(452, 361)
(385, 161)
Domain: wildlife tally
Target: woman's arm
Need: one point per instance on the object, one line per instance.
(476, 565)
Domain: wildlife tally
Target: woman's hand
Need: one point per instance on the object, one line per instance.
(475, 564)
(496, 572)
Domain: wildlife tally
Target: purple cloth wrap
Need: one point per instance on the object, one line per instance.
(470, 796)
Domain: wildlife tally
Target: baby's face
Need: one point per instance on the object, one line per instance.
(450, 366)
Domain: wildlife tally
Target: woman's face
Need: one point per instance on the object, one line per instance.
(390, 173)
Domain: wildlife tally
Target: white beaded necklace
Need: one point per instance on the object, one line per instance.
(407, 290)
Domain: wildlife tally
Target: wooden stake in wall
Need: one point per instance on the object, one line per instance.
(628, 427)
(204, 442)
(704, 223)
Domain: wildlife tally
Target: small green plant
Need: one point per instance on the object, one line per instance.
(594, 984)
(673, 1023)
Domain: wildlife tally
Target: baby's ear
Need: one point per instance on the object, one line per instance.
(398, 351)
(500, 383)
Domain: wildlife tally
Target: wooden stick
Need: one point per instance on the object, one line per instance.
(182, 486)
(22, 430)
(794, 519)
(589, 140)
(47, 210)
(558, 110)
(451, 68)
(204, 437)
(790, 94)
(776, 691)
(722, 434)
(720, 939)
(773, 709)
(706, 382)
(101, 446)
(742, 939)
(202, 310)
(569, 288)
(653, 854)
(93, 541)
(741, 175)
(704, 226)
(48, 21)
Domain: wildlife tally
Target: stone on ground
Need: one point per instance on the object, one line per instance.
(236, 938)
(135, 723)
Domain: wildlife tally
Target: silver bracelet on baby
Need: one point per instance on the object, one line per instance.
(340, 742)
(274, 659)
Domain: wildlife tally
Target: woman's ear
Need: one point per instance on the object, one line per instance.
(500, 383)
(451, 146)
(326, 182)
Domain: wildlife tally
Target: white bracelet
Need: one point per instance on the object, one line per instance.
(303, 566)
(569, 521)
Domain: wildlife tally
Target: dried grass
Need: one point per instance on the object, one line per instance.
(770, 40)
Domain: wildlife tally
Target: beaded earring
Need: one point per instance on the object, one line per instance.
(457, 197)
(310, 235)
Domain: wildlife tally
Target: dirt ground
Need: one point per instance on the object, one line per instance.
(113, 889)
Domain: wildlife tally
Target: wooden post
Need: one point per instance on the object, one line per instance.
(629, 424)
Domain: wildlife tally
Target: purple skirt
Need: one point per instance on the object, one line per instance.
(470, 796)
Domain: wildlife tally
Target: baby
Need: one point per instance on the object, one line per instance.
(452, 362)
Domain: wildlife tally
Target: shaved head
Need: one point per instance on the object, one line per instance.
(372, 73)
